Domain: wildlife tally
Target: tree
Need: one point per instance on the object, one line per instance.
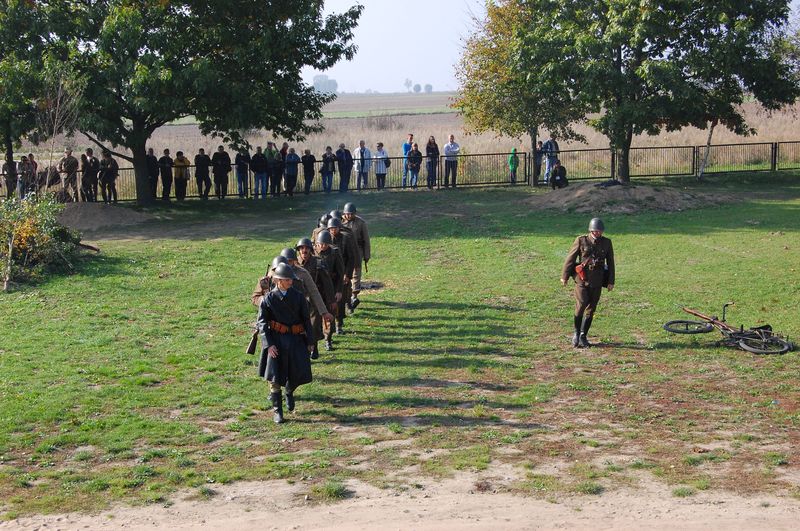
(325, 85)
(233, 64)
(428, 88)
(644, 67)
(500, 93)
(417, 88)
(407, 83)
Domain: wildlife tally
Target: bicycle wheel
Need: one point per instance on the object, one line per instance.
(688, 327)
(767, 345)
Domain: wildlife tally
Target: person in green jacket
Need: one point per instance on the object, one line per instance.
(513, 164)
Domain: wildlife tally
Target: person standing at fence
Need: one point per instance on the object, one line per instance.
(414, 160)
(309, 162)
(181, 175)
(274, 165)
(90, 169)
(513, 164)
(328, 169)
(242, 172)
(152, 172)
(344, 160)
(68, 168)
(221, 163)
(537, 162)
(165, 164)
(550, 150)
(407, 145)
(432, 161)
(363, 165)
(381, 166)
(591, 262)
(202, 163)
(24, 177)
(451, 151)
(260, 168)
(109, 171)
(282, 170)
(291, 170)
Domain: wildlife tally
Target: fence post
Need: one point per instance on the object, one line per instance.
(614, 164)
(774, 162)
(694, 161)
(527, 168)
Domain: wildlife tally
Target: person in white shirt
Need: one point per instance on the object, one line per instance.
(363, 158)
(381, 167)
(451, 150)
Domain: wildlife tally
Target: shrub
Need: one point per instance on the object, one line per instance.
(32, 241)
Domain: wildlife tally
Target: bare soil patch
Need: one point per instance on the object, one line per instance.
(589, 197)
(92, 216)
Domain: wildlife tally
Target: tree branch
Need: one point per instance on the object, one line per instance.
(102, 146)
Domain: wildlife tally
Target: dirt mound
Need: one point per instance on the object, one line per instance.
(628, 199)
(92, 216)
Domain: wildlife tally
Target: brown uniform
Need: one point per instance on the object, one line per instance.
(597, 257)
(324, 285)
(351, 256)
(334, 265)
(358, 227)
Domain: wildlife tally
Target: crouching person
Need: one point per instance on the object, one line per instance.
(287, 339)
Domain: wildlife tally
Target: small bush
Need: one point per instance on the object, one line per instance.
(330, 490)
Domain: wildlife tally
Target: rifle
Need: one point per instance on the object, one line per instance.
(251, 347)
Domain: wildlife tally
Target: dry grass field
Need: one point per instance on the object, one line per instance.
(389, 117)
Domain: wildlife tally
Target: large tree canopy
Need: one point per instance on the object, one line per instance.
(645, 65)
(498, 93)
(233, 64)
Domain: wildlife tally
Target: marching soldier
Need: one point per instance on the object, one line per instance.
(591, 263)
(358, 227)
(265, 283)
(343, 240)
(317, 308)
(316, 270)
(283, 321)
(322, 225)
(332, 261)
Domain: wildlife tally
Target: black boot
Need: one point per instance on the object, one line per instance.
(290, 400)
(354, 302)
(340, 326)
(583, 341)
(277, 407)
(315, 352)
(577, 326)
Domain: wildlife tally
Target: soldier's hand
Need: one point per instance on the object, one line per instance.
(328, 317)
(272, 351)
(338, 297)
(563, 281)
(610, 287)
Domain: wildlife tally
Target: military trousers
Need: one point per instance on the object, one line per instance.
(586, 299)
(355, 282)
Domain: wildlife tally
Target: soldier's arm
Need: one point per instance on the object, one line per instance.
(569, 263)
(367, 247)
(313, 293)
(326, 287)
(610, 263)
(306, 320)
(261, 289)
(264, 317)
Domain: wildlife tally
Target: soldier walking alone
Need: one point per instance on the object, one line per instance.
(591, 262)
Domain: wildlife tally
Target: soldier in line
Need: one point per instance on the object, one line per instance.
(344, 241)
(322, 280)
(591, 262)
(283, 319)
(68, 166)
(332, 263)
(358, 227)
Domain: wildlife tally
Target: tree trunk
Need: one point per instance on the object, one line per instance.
(708, 151)
(139, 149)
(8, 143)
(623, 158)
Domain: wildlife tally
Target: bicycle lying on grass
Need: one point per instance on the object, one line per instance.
(758, 340)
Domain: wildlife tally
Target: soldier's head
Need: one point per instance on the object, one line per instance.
(283, 276)
(323, 220)
(304, 249)
(349, 211)
(290, 255)
(324, 240)
(334, 227)
(335, 214)
(278, 260)
(596, 227)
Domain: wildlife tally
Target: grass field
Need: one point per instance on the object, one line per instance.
(128, 381)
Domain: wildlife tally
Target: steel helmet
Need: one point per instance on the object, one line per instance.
(596, 224)
(289, 254)
(284, 271)
(334, 223)
(349, 208)
(335, 214)
(277, 261)
(323, 220)
(325, 237)
(304, 242)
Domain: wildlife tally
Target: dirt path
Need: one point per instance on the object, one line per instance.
(450, 504)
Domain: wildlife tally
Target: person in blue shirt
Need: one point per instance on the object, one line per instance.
(406, 148)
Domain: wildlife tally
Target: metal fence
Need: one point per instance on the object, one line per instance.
(492, 169)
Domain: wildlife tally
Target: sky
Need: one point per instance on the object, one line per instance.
(416, 39)
(397, 39)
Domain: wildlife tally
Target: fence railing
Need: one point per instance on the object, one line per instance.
(492, 169)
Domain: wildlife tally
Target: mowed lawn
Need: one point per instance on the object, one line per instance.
(128, 380)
